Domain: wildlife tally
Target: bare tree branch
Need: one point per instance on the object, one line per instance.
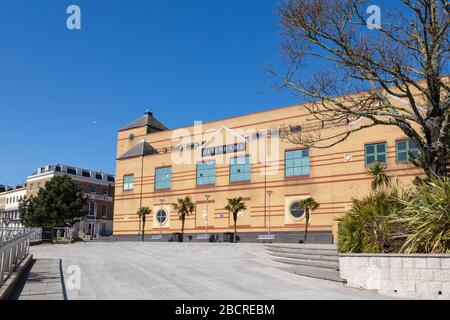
(400, 70)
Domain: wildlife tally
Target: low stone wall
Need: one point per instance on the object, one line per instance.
(422, 276)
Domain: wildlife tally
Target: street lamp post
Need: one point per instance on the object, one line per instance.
(159, 220)
(207, 215)
(269, 193)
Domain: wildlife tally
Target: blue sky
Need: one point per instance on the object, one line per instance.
(64, 94)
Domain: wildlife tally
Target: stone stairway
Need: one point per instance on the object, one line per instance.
(315, 261)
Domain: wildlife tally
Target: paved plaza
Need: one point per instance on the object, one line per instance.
(176, 271)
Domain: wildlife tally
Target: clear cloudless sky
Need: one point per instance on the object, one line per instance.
(64, 94)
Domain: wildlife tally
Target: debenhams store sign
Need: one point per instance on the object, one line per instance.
(231, 148)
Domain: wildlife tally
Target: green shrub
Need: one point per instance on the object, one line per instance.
(414, 221)
(62, 241)
(426, 218)
(368, 228)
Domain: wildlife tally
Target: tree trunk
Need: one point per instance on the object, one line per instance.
(140, 226)
(143, 228)
(182, 227)
(436, 164)
(306, 226)
(436, 149)
(235, 226)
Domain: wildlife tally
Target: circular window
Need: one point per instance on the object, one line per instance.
(296, 210)
(161, 216)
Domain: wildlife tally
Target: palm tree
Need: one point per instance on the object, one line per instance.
(380, 179)
(235, 205)
(143, 212)
(184, 207)
(308, 205)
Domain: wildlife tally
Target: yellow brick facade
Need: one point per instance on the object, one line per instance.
(336, 175)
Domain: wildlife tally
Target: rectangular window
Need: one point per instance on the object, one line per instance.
(163, 178)
(93, 189)
(128, 182)
(375, 153)
(39, 185)
(206, 173)
(86, 174)
(31, 187)
(406, 150)
(105, 191)
(104, 212)
(296, 163)
(240, 169)
(92, 209)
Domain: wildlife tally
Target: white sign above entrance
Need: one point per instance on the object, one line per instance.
(231, 148)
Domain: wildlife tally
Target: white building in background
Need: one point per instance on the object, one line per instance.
(99, 187)
(9, 209)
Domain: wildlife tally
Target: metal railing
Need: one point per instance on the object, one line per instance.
(36, 234)
(67, 233)
(12, 253)
(7, 234)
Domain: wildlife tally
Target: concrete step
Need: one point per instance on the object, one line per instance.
(331, 247)
(314, 261)
(334, 266)
(303, 250)
(318, 273)
(291, 255)
(309, 247)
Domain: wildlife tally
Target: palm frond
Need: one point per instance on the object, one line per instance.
(380, 178)
(144, 211)
(236, 205)
(427, 218)
(309, 204)
(184, 206)
(367, 227)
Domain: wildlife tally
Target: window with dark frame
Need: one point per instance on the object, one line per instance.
(104, 211)
(297, 163)
(86, 174)
(376, 152)
(406, 150)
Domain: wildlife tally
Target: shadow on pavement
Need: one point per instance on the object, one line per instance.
(43, 280)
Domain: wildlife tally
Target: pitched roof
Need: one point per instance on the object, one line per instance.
(146, 120)
(142, 149)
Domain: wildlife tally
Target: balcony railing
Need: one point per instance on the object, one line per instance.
(100, 197)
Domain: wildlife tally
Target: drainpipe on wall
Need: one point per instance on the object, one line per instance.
(140, 196)
(265, 180)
